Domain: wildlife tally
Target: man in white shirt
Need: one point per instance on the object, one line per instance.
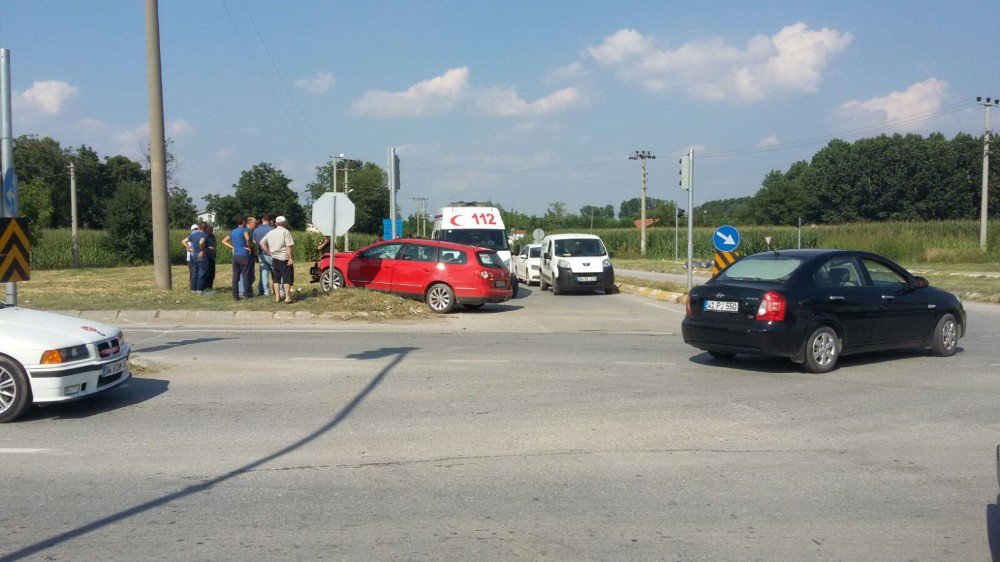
(278, 244)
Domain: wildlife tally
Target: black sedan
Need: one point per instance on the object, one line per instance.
(813, 306)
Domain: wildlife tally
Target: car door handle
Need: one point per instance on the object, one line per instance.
(836, 297)
(888, 297)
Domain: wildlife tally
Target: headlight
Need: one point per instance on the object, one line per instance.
(64, 355)
(564, 263)
(606, 262)
(121, 338)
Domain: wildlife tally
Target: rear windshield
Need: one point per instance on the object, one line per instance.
(579, 248)
(534, 252)
(490, 259)
(761, 268)
(447, 255)
(485, 237)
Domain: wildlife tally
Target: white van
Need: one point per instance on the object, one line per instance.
(475, 225)
(575, 262)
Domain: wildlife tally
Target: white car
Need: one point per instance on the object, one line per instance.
(527, 263)
(46, 358)
(576, 262)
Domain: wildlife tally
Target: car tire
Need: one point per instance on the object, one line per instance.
(473, 306)
(822, 350)
(440, 298)
(944, 340)
(15, 390)
(721, 355)
(542, 285)
(555, 287)
(324, 280)
(514, 288)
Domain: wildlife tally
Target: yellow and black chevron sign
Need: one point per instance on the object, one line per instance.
(15, 250)
(724, 260)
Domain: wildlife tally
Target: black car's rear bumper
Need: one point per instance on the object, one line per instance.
(778, 339)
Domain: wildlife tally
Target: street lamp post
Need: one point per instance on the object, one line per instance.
(642, 155)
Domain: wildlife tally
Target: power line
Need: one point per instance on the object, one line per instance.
(277, 69)
(268, 82)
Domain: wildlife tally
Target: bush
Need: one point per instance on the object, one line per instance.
(129, 234)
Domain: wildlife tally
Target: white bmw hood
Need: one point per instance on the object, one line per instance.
(45, 330)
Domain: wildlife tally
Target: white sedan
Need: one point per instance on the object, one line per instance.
(527, 263)
(47, 358)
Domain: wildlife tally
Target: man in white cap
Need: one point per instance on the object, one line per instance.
(278, 244)
(186, 242)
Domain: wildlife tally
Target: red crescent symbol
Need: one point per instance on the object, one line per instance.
(454, 220)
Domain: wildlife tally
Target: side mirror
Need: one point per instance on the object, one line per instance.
(545, 256)
(920, 282)
(611, 255)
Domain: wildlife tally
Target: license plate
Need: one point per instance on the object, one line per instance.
(501, 284)
(114, 368)
(722, 306)
(589, 279)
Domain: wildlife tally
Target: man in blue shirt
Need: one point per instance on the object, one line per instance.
(265, 260)
(198, 246)
(238, 240)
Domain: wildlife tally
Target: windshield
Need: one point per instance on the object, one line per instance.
(534, 252)
(769, 267)
(485, 237)
(579, 248)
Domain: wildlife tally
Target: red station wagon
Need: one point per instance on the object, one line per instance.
(439, 273)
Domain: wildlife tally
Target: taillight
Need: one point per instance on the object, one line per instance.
(687, 307)
(772, 307)
(483, 273)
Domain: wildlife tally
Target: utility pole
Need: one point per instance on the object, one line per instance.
(642, 155)
(8, 195)
(421, 215)
(73, 212)
(800, 233)
(984, 198)
(157, 151)
(347, 239)
(677, 213)
(687, 182)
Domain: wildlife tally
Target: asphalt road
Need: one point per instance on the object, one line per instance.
(570, 427)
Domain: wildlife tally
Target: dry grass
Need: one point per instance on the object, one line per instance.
(661, 285)
(132, 288)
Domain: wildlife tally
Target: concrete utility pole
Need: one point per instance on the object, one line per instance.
(157, 151)
(421, 215)
(642, 155)
(73, 212)
(8, 195)
(347, 183)
(985, 199)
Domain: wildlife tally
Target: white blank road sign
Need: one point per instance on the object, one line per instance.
(323, 213)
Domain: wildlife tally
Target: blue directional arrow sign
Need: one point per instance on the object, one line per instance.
(726, 238)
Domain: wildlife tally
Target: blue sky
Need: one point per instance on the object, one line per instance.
(524, 103)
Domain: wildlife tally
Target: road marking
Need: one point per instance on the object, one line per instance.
(654, 305)
(479, 361)
(24, 451)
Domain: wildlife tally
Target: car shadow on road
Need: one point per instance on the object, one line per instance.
(133, 392)
(397, 353)
(173, 344)
(768, 364)
(491, 309)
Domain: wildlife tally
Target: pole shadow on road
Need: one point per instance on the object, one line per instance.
(398, 353)
(173, 344)
(135, 391)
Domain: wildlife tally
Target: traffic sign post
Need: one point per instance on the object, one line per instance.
(326, 207)
(726, 238)
(537, 235)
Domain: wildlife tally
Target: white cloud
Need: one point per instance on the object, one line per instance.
(436, 95)
(792, 60)
(571, 71)
(45, 98)
(767, 141)
(908, 110)
(451, 90)
(318, 84)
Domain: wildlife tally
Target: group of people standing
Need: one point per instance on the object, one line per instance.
(266, 244)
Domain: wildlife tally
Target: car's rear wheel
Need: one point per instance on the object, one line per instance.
(944, 340)
(822, 350)
(325, 280)
(440, 298)
(15, 391)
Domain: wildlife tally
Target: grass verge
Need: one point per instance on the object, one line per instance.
(661, 285)
(132, 288)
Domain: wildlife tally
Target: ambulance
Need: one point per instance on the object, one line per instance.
(473, 224)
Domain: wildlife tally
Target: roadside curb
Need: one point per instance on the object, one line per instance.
(655, 294)
(209, 316)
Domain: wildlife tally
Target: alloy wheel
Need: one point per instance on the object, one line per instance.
(439, 298)
(824, 349)
(8, 390)
(949, 335)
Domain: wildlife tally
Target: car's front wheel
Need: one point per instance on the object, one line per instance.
(542, 285)
(328, 282)
(440, 298)
(15, 391)
(822, 350)
(944, 340)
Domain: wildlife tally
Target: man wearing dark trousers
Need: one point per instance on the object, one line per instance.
(238, 240)
(197, 243)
